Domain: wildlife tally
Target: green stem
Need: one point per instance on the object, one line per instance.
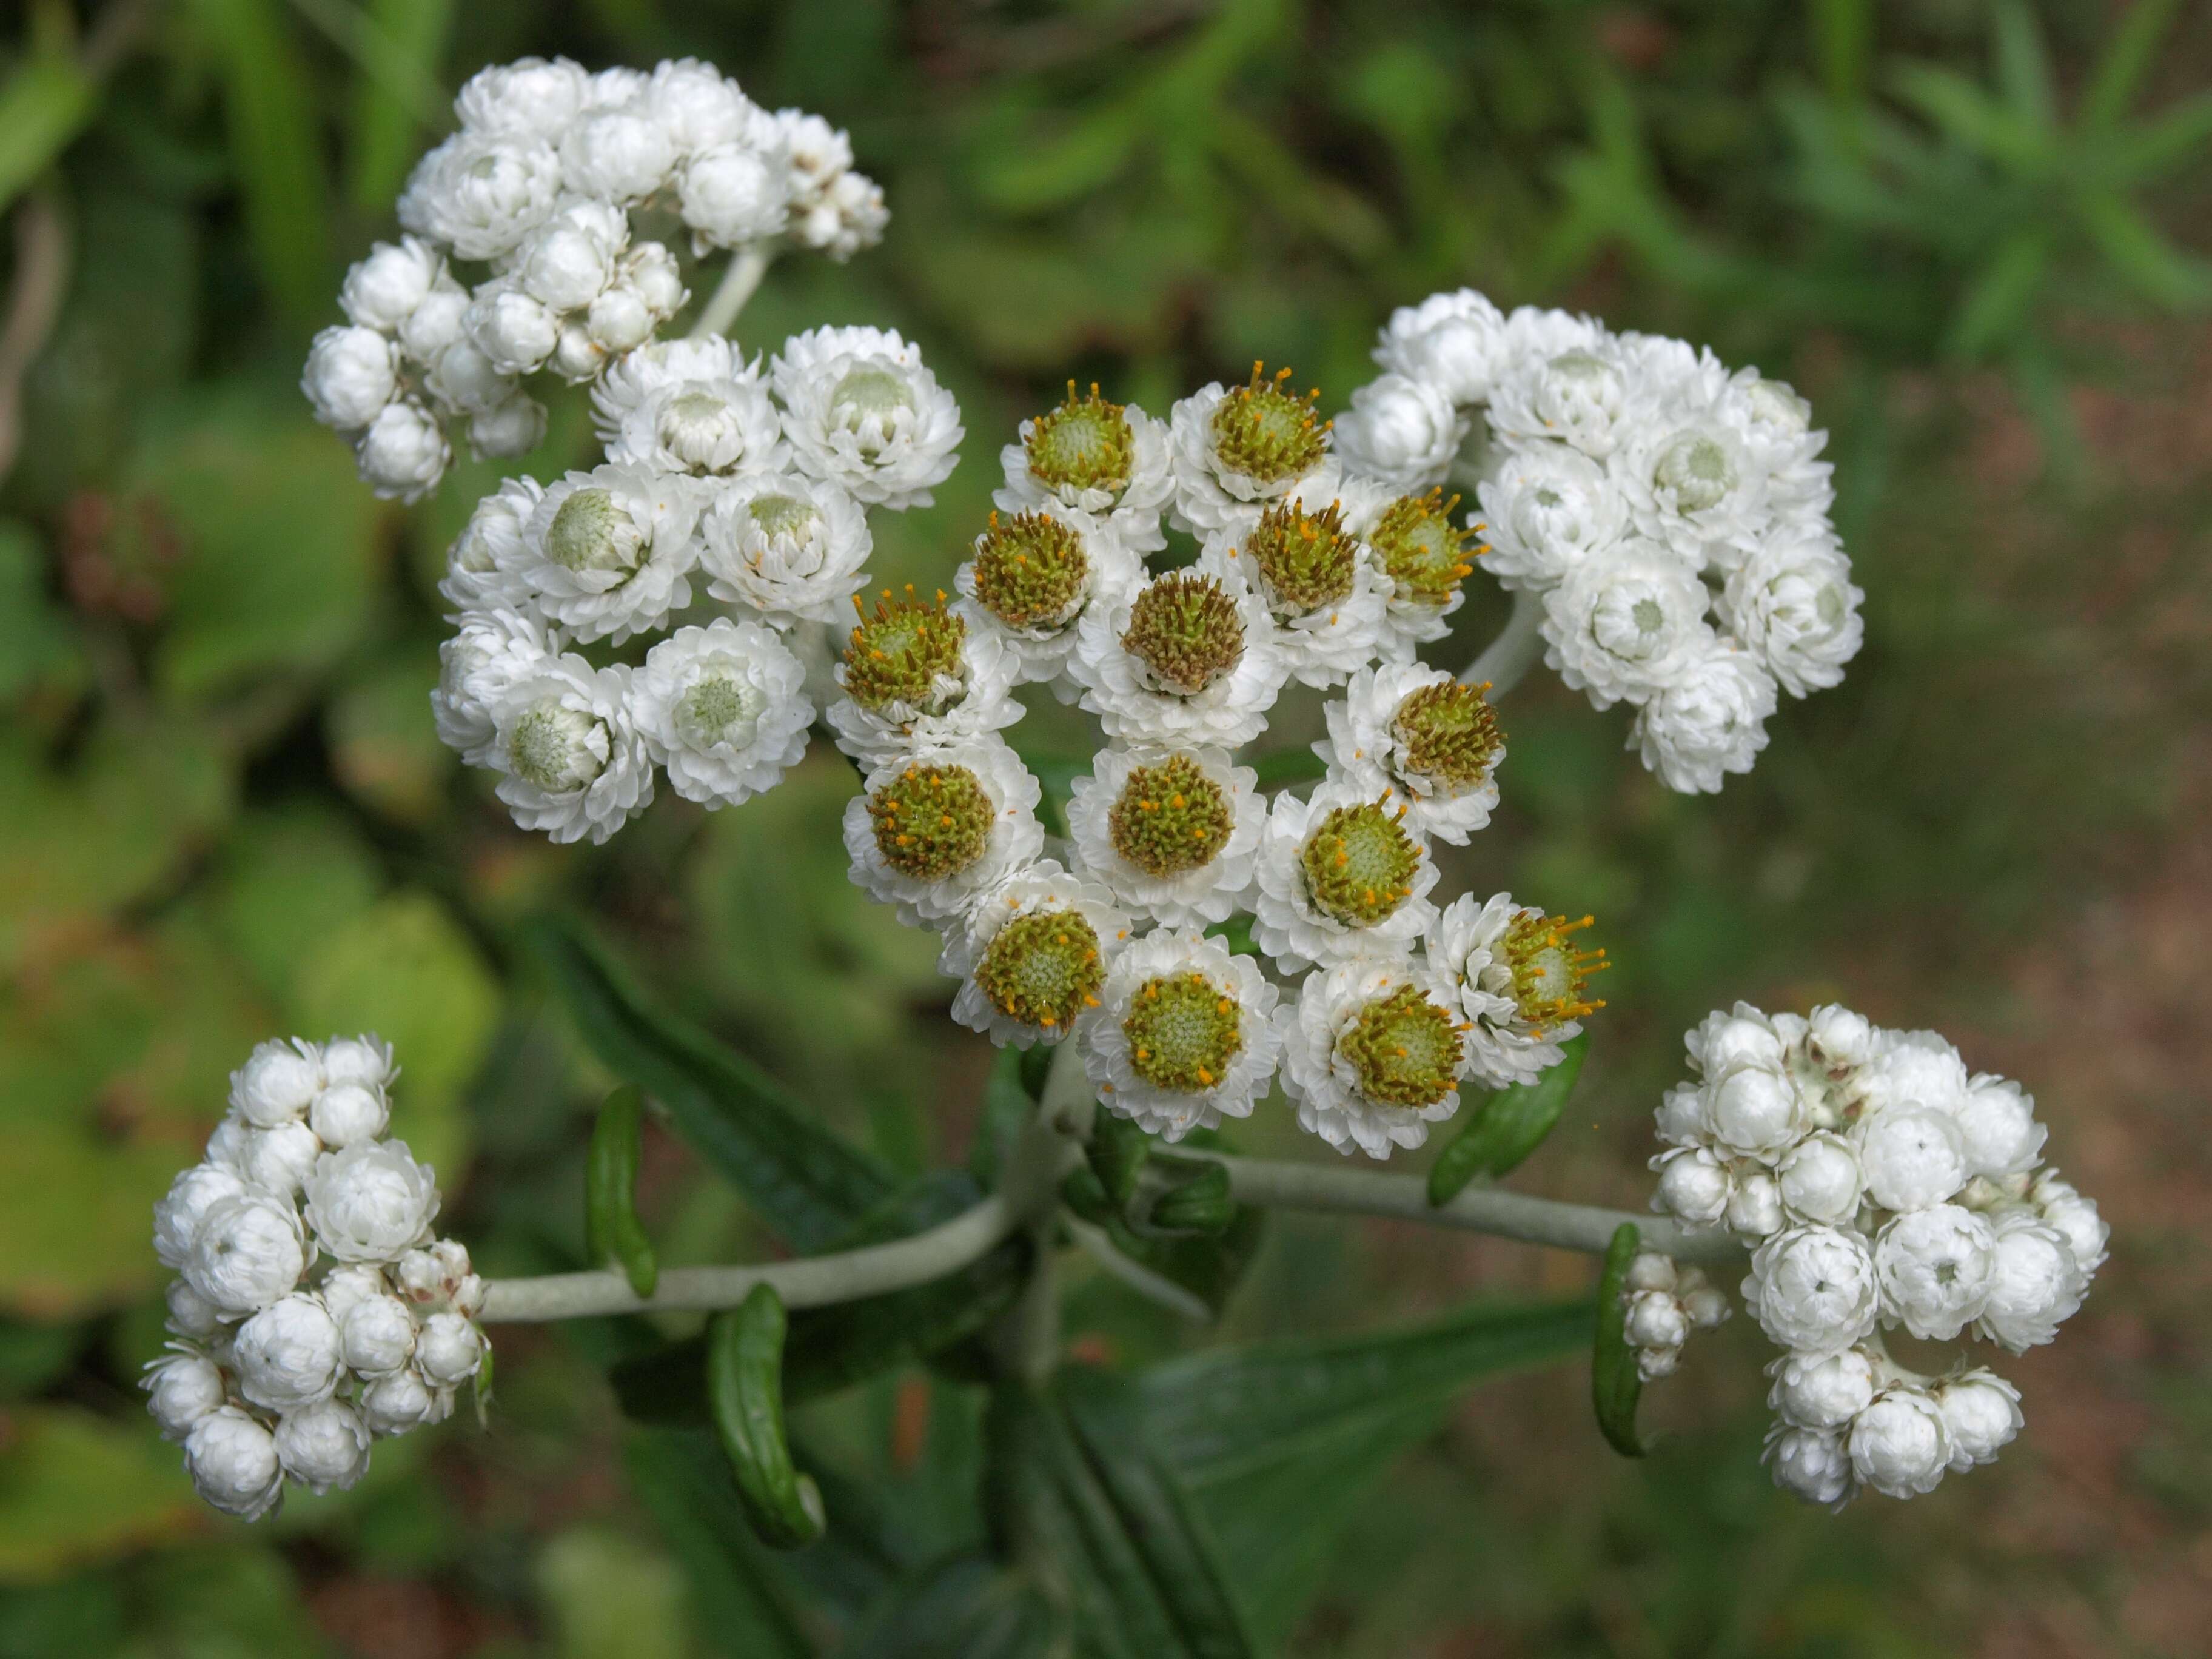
(746, 268)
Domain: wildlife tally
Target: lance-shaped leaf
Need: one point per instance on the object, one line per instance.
(689, 1492)
(611, 1229)
(964, 1607)
(810, 1186)
(1505, 1129)
(745, 1386)
(1615, 1382)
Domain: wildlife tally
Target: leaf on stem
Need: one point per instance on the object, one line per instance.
(745, 1386)
(1615, 1382)
(1502, 1132)
(612, 1229)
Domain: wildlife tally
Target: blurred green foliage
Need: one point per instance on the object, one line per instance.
(223, 814)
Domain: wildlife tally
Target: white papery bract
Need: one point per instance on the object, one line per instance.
(1400, 431)
(1883, 1189)
(1792, 604)
(351, 374)
(1108, 460)
(793, 549)
(1710, 721)
(967, 812)
(608, 552)
(574, 764)
(1006, 591)
(863, 411)
(1214, 487)
(1372, 1051)
(721, 709)
(1418, 735)
(1185, 1034)
(1455, 342)
(1172, 833)
(1517, 980)
(1628, 625)
(1339, 875)
(1032, 953)
(477, 666)
(295, 1345)
(1545, 512)
(402, 452)
(1202, 671)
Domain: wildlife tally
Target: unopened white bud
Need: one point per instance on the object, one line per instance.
(467, 381)
(182, 1388)
(382, 291)
(618, 154)
(449, 1350)
(733, 194)
(1755, 1112)
(1681, 1114)
(1813, 1289)
(1996, 1121)
(1981, 1411)
(287, 1355)
(404, 453)
(1839, 1038)
(565, 267)
(1693, 1185)
(191, 1314)
(514, 428)
(348, 1112)
(322, 1446)
(1725, 1041)
(369, 1202)
(576, 357)
(365, 1059)
(2075, 1217)
(1813, 1463)
(619, 319)
(2035, 1283)
(1656, 1320)
(1819, 1180)
(277, 1083)
(1912, 1157)
(279, 1158)
(436, 323)
(396, 1403)
(513, 331)
(1652, 1364)
(1754, 1208)
(248, 1252)
(1399, 430)
(1936, 1267)
(194, 1192)
(652, 273)
(232, 1463)
(1900, 1445)
(351, 374)
(1650, 1271)
(1822, 1391)
(377, 1336)
(1707, 1306)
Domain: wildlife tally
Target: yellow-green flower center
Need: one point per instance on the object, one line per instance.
(1697, 469)
(1183, 1033)
(719, 708)
(1185, 628)
(1082, 445)
(552, 747)
(1029, 570)
(1359, 863)
(1304, 560)
(931, 822)
(867, 403)
(903, 651)
(1449, 734)
(1171, 817)
(1404, 1049)
(1042, 968)
(1549, 973)
(1267, 432)
(1423, 553)
(590, 531)
(784, 516)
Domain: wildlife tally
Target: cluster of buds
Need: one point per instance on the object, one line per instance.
(536, 188)
(1880, 1187)
(1662, 1303)
(313, 1309)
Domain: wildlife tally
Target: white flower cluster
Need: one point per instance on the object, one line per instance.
(537, 187)
(314, 1306)
(1671, 517)
(1662, 1304)
(1882, 1187)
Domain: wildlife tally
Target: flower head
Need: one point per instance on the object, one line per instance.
(1173, 833)
(1372, 1054)
(1182, 1037)
(1033, 954)
(367, 1203)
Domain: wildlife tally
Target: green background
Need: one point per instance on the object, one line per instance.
(1961, 230)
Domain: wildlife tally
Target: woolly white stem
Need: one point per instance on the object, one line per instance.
(1513, 653)
(746, 268)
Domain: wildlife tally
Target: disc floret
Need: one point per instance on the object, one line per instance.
(1550, 974)
(1170, 818)
(1359, 863)
(1084, 444)
(907, 652)
(931, 822)
(1267, 432)
(1185, 628)
(1029, 570)
(1183, 1033)
(1306, 561)
(1423, 553)
(1405, 1048)
(1043, 968)
(1448, 734)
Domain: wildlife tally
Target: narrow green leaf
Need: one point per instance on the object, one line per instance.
(1288, 766)
(2023, 66)
(400, 44)
(45, 104)
(967, 1608)
(277, 150)
(2172, 136)
(2119, 72)
(611, 1229)
(745, 1385)
(2149, 263)
(1615, 1383)
(689, 1493)
(1842, 33)
(1117, 1152)
(1967, 114)
(1502, 1131)
(812, 1187)
(1998, 304)
(1195, 1199)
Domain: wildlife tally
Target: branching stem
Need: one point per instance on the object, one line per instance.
(746, 268)
(1506, 659)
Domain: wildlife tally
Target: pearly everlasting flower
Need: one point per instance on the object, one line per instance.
(2035, 1283)
(1813, 1463)
(931, 832)
(1792, 605)
(1030, 577)
(402, 452)
(575, 763)
(1564, 378)
(1372, 1053)
(322, 1446)
(383, 291)
(1936, 1268)
(364, 1059)
(376, 1335)
(247, 1251)
(481, 194)
(2075, 1218)
(1173, 834)
(1191, 657)
(833, 209)
(713, 425)
(1419, 555)
(1900, 1445)
(1997, 1127)
(1981, 1412)
(1776, 425)
(529, 101)
(1754, 1206)
(1107, 460)
(439, 1278)
(287, 1355)
(191, 1314)
(1913, 1156)
(348, 1112)
(620, 152)
(1185, 1034)
(1814, 1289)
(1694, 1186)
(1755, 1111)
(278, 1083)
(1628, 624)
(1518, 978)
(435, 324)
(914, 674)
(1401, 431)
(514, 331)
(1546, 511)
(721, 709)
(1822, 1391)
(1710, 721)
(863, 411)
(1321, 586)
(1916, 1068)
(1455, 342)
(1819, 1181)
(450, 1350)
(790, 547)
(182, 1388)
(1032, 955)
(485, 566)
(233, 1465)
(609, 551)
(401, 1401)
(275, 1160)
(1693, 485)
(352, 374)
(1339, 875)
(1236, 450)
(368, 1203)
(477, 666)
